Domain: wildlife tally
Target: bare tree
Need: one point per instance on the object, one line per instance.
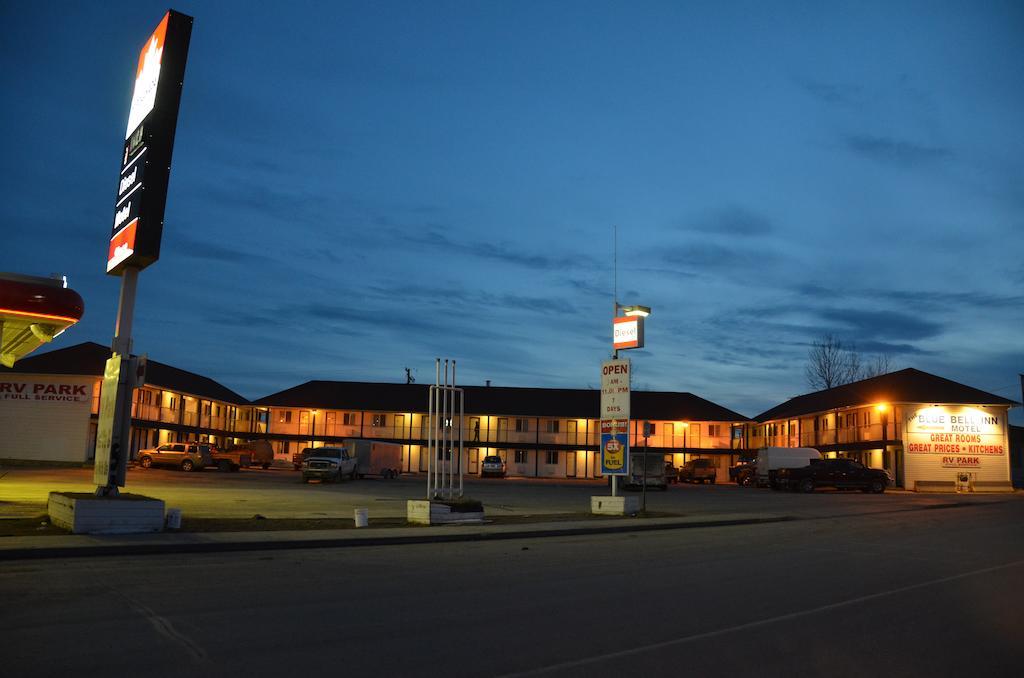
(880, 364)
(832, 363)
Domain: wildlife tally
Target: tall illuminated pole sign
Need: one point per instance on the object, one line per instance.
(138, 224)
(616, 377)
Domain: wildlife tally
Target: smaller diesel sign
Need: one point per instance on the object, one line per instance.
(627, 332)
(149, 141)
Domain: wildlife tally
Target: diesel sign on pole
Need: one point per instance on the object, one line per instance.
(615, 417)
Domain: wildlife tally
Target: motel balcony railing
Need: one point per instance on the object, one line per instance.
(842, 436)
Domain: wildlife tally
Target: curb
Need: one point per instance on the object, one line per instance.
(342, 542)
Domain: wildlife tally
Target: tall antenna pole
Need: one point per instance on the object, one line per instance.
(615, 270)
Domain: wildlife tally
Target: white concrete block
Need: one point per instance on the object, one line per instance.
(622, 505)
(83, 513)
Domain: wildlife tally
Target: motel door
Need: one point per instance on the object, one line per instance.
(570, 463)
(474, 460)
(571, 429)
(399, 430)
(502, 430)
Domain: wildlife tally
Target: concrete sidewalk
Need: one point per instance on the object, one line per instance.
(74, 546)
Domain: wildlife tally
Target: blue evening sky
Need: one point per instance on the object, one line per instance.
(362, 187)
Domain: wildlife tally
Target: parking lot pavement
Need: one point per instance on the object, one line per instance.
(279, 493)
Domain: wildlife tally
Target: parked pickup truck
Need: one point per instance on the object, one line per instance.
(842, 474)
(328, 463)
(698, 471)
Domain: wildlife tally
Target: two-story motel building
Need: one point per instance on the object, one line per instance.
(918, 426)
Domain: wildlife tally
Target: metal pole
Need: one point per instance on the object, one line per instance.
(438, 424)
(445, 433)
(125, 312)
(644, 493)
(451, 469)
(462, 413)
(430, 433)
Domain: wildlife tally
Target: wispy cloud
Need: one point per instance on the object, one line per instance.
(875, 324)
(501, 251)
(832, 93)
(896, 151)
(732, 220)
(186, 246)
(708, 256)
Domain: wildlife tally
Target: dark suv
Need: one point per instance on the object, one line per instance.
(492, 466)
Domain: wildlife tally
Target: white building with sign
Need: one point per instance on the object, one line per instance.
(930, 433)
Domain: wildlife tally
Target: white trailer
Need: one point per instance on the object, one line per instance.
(771, 459)
(375, 458)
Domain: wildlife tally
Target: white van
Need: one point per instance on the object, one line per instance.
(770, 459)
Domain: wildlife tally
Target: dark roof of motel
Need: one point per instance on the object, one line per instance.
(504, 400)
(89, 359)
(905, 386)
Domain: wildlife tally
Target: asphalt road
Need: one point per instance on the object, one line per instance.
(927, 592)
(280, 494)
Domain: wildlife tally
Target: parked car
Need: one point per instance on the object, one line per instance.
(698, 471)
(186, 456)
(842, 474)
(328, 463)
(492, 466)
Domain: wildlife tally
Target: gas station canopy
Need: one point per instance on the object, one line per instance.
(33, 311)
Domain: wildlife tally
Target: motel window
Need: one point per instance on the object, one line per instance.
(348, 419)
(714, 430)
(522, 425)
(172, 403)
(284, 417)
(380, 420)
(520, 456)
(552, 457)
(553, 426)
